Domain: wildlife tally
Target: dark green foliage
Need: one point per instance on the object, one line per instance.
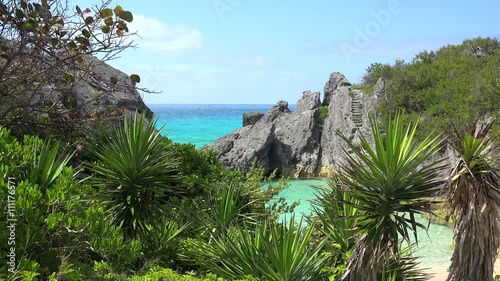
(137, 175)
(453, 85)
(336, 216)
(388, 183)
(70, 227)
(270, 251)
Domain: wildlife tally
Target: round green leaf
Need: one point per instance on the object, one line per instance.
(126, 15)
(54, 42)
(118, 10)
(86, 33)
(30, 25)
(19, 13)
(113, 80)
(83, 40)
(106, 13)
(108, 22)
(135, 78)
(105, 28)
(89, 20)
(69, 77)
(71, 45)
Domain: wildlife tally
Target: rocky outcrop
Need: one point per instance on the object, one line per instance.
(67, 96)
(300, 143)
(348, 114)
(281, 139)
(251, 118)
(98, 100)
(336, 81)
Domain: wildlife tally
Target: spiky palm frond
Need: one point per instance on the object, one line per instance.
(269, 251)
(48, 163)
(336, 214)
(390, 182)
(473, 195)
(137, 174)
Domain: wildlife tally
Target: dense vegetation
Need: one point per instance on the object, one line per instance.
(128, 204)
(453, 85)
(46, 56)
(80, 211)
(113, 207)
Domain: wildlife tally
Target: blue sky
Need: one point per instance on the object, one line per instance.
(260, 52)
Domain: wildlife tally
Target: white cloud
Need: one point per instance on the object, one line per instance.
(158, 36)
(253, 60)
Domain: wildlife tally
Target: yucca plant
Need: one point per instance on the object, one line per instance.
(226, 206)
(473, 195)
(402, 267)
(272, 251)
(137, 175)
(389, 183)
(48, 162)
(336, 218)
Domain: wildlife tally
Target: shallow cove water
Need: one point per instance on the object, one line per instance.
(434, 247)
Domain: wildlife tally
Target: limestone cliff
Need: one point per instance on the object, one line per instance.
(300, 143)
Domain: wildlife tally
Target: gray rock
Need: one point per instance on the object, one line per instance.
(348, 115)
(237, 150)
(379, 88)
(299, 143)
(283, 140)
(309, 101)
(94, 94)
(251, 118)
(336, 80)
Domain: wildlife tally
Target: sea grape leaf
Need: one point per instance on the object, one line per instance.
(106, 13)
(127, 16)
(135, 78)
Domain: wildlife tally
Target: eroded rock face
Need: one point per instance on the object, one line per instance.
(348, 115)
(94, 96)
(281, 139)
(251, 118)
(335, 81)
(300, 143)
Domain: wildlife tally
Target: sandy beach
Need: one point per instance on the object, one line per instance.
(441, 274)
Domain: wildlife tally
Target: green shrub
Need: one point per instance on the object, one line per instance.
(323, 111)
(270, 251)
(453, 85)
(136, 174)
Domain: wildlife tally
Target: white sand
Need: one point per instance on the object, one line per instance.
(441, 274)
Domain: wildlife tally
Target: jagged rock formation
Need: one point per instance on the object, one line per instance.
(348, 113)
(281, 139)
(336, 80)
(251, 118)
(94, 94)
(300, 143)
(66, 97)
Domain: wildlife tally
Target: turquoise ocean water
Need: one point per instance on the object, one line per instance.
(202, 124)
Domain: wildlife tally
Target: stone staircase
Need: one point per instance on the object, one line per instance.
(356, 108)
